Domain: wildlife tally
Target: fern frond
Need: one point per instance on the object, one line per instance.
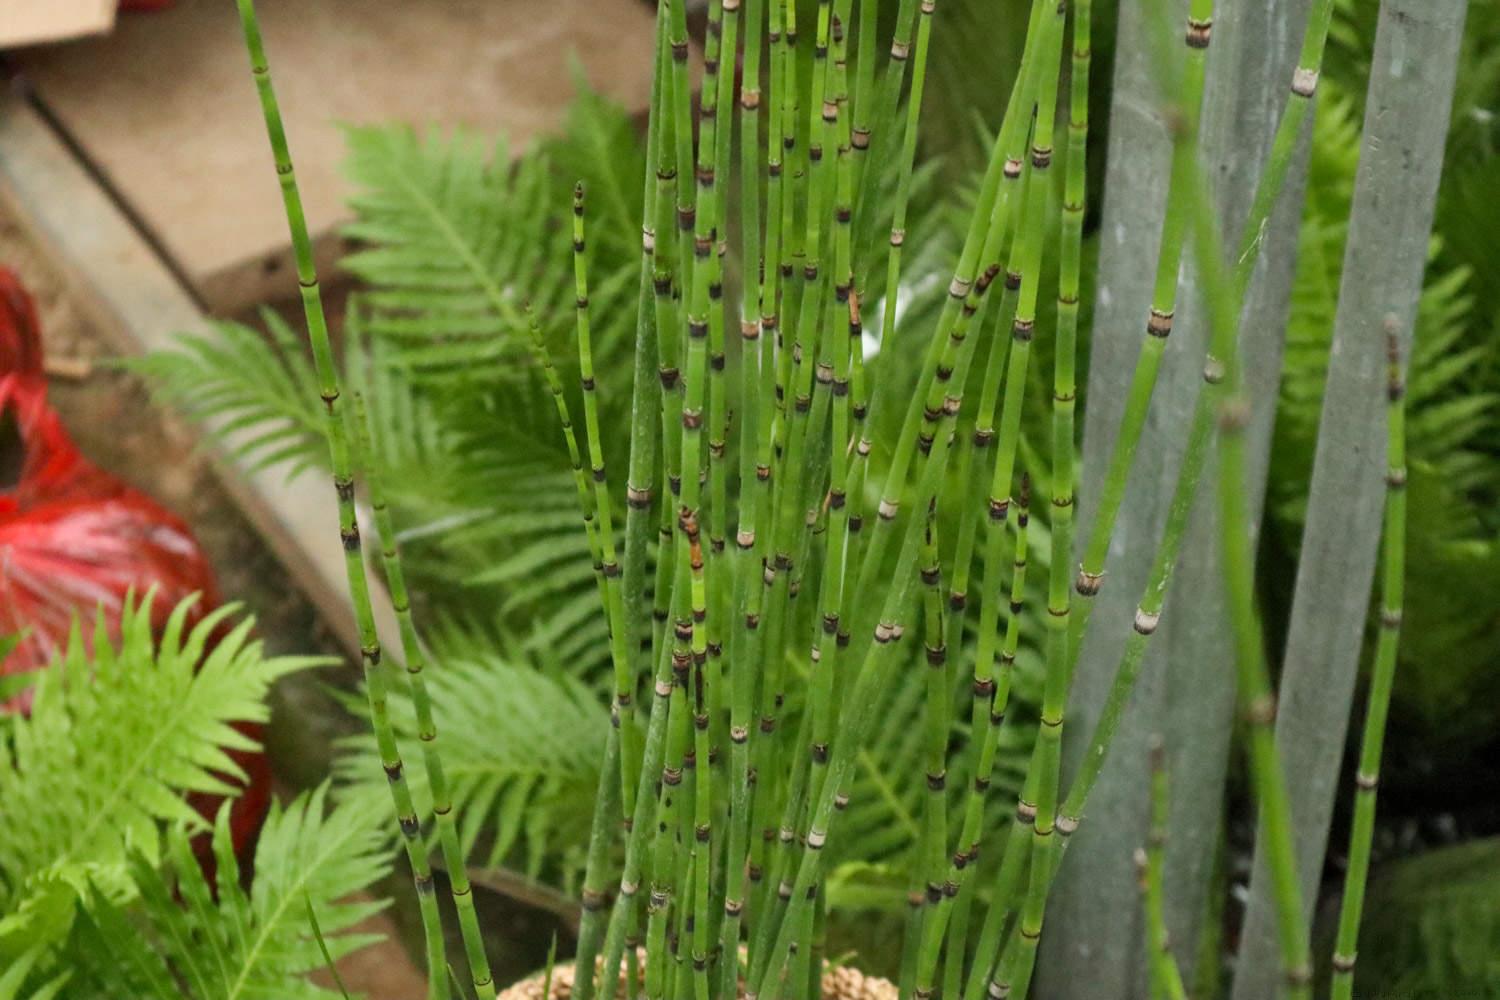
(221, 942)
(119, 730)
(257, 392)
(521, 749)
(456, 242)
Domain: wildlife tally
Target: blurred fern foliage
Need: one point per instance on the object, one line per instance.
(101, 892)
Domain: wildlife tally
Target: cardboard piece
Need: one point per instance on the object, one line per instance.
(29, 22)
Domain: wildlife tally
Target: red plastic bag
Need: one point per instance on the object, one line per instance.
(75, 540)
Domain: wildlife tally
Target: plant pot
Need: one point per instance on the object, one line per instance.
(839, 983)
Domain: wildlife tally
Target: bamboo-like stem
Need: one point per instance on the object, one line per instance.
(989, 716)
(1017, 976)
(757, 362)
(905, 167)
(922, 413)
(1196, 38)
(1166, 979)
(645, 453)
(717, 91)
(608, 565)
(831, 597)
(876, 118)
(591, 924)
(620, 938)
(991, 688)
(705, 338)
(1410, 91)
(988, 702)
(427, 730)
(1223, 294)
(861, 109)
(647, 805)
(1201, 427)
(672, 695)
(1378, 701)
(343, 482)
(938, 701)
(875, 654)
(767, 598)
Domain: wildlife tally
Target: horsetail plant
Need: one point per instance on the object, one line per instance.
(335, 428)
(772, 662)
(1166, 979)
(1377, 704)
(427, 731)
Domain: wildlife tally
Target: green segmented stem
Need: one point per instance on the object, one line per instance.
(824, 646)
(877, 123)
(1010, 143)
(591, 923)
(864, 84)
(833, 369)
(343, 482)
(991, 695)
(1050, 733)
(586, 502)
(1222, 293)
(704, 317)
(1147, 617)
(1048, 753)
(1166, 979)
(916, 421)
(789, 489)
(716, 93)
(905, 166)
(667, 855)
(427, 730)
(794, 162)
(647, 805)
(666, 279)
(698, 916)
(935, 720)
(1201, 426)
(1017, 852)
(756, 361)
(875, 654)
(1013, 131)
(645, 403)
(1377, 705)
(605, 557)
(1158, 324)
(987, 712)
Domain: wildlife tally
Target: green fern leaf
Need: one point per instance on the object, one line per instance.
(223, 942)
(120, 729)
(518, 745)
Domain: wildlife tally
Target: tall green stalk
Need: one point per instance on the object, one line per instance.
(343, 483)
(1158, 324)
(427, 730)
(1166, 979)
(606, 563)
(1377, 703)
(1017, 975)
(1223, 295)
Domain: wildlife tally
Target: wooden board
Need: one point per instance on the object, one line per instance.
(165, 110)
